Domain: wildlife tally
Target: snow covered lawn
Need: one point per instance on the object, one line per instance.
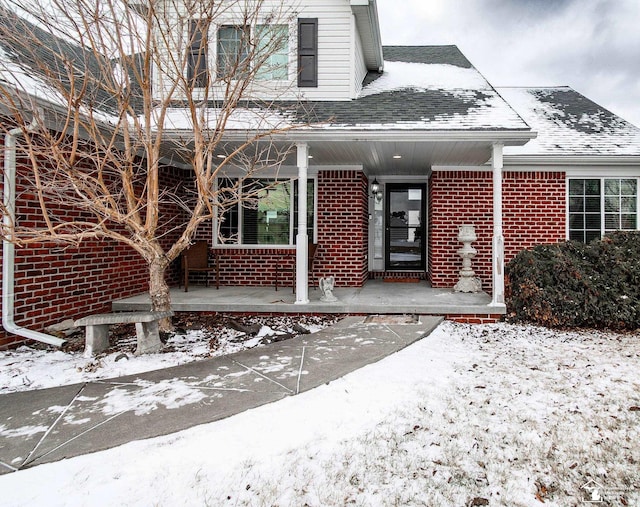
(471, 415)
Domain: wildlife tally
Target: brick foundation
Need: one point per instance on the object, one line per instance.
(255, 267)
(398, 275)
(482, 318)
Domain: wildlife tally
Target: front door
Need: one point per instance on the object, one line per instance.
(405, 232)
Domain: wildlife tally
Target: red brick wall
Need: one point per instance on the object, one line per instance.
(54, 283)
(533, 213)
(342, 239)
(255, 267)
(343, 226)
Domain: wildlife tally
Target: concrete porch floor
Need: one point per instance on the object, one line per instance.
(376, 297)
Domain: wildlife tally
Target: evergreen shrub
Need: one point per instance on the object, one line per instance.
(571, 284)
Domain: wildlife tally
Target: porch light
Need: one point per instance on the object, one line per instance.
(375, 187)
(397, 156)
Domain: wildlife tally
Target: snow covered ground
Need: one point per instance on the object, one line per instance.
(471, 415)
(197, 337)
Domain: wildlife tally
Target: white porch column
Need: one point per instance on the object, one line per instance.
(498, 238)
(302, 240)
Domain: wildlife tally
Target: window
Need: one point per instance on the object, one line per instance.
(197, 69)
(265, 215)
(233, 48)
(601, 205)
(273, 52)
(307, 52)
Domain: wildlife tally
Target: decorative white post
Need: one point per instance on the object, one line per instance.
(468, 282)
(498, 238)
(302, 240)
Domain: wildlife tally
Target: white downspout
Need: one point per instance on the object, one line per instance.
(8, 248)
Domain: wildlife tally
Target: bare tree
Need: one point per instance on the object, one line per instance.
(120, 89)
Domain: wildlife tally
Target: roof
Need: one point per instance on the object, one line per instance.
(568, 123)
(449, 55)
(40, 64)
(426, 88)
(422, 88)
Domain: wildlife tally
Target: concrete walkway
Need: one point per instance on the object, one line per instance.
(51, 424)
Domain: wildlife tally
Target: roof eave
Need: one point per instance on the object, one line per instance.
(506, 137)
(366, 12)
(555, 160)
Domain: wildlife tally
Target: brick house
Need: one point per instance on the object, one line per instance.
(412, 142)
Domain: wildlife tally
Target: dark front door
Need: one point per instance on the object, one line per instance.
(405, 226)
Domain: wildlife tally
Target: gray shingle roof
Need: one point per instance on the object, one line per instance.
(449, 55)
(568, 123)
(394, 108)
(424, 88)
(427, 88)
(52, 61)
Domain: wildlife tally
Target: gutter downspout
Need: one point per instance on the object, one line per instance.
(8, 248)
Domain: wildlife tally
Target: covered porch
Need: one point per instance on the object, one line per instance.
(375, 297)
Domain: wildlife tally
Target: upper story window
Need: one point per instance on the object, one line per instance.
(267, 213)
(273, 52)
(268, 54)
(197, 67)
(601, 205)
(232, 49)
(265, 48)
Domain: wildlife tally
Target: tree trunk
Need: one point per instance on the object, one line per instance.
(158, 288)
(160, 301)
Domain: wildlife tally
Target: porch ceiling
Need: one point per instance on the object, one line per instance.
(377, 157)
(404, 157)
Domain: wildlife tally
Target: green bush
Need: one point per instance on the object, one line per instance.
(575, 285)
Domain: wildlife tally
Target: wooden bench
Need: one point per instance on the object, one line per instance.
(97, 330)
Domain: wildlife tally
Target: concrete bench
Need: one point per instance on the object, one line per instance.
(97, 330)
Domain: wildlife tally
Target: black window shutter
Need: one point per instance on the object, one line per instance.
(197, 71)
(307, 52)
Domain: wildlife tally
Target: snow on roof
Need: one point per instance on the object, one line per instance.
(422, 76)
(35, 69)
(22, 78)
(429, 96)
(568, 123)
(241, 118)
(422, 88)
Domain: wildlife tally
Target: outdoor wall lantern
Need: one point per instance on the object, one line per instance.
(375, 187)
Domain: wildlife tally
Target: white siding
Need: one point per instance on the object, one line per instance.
(359, 67)
(340, 55)
(334, 48)
(171, 26)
